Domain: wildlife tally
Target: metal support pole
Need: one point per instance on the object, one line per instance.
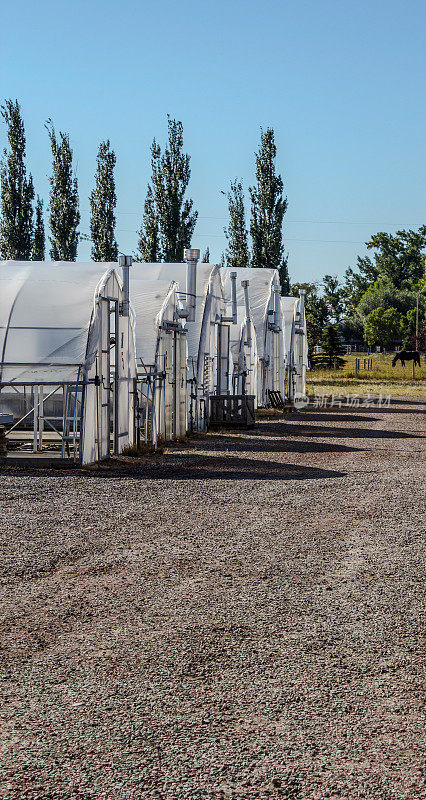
(233, 277)
(35, 424)
(245, 285)
(125, 262)
(192, 258)
(41, 418)
(417, 324)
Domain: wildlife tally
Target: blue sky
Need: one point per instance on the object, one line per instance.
(342, 83)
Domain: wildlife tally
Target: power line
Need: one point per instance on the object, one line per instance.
(290, 221)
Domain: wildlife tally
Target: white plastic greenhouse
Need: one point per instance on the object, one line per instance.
(207, 332)
(243, 342)
(66, 331)
(265, 310)
(295, 344)
(161, 357)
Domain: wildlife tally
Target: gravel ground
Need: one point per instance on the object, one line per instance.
(240, 619)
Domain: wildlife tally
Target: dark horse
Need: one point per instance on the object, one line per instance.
(407, 355)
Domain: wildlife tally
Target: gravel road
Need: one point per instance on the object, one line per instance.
(239, 619)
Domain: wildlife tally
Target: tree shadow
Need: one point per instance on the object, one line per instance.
(327, 416)
(198, 467)
(275, 443)
(234, 468)
(346, 433)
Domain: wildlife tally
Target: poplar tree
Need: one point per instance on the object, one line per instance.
(170, 178)
(38, 248)
(103, 200)
(149, 235)
(237, 254)
(206, 257)
(17, 191)
(64, 214)
(268, 206)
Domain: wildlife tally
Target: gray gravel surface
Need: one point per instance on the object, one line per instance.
(243, 618)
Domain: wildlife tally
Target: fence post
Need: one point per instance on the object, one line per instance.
(356, 367)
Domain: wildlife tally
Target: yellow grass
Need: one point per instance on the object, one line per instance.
(381, 379)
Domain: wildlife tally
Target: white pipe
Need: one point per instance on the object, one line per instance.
(233, 317)
(277, 296)
(233, 277)
(302, 293)
(245, 285)
(191, 257)
(125, 262)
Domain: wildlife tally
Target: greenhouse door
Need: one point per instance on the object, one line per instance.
(179, 384)
(169, 385)
(223, 359)
(106, 400)
(276, 362)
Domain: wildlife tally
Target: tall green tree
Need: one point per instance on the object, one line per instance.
(237, 254)
(398, 259)
(383, 326)
(149, 234)
(316, 312)
(38, 248)
(357, 282)
(17, 191)
(333, 297)
(206, 256)
(268, 206)
(64, 216)
(170, 178)
(103, 200)
(332, 349)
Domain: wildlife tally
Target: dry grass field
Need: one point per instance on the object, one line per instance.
(381, 379)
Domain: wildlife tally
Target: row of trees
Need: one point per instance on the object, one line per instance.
(169, 217)
(268, 206)
(22, 234)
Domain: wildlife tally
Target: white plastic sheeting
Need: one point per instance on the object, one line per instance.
(243, 341)
(52, 327)
(202, 335)
(295, 346)
(269, 344)
(160, 351)
(209, 298)
(45, 315)
(154, 304)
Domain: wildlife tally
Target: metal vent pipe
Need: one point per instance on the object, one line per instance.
(245, 285)
(125, 262)
(233, 277)
(302, 293)
(233, 318)
(192, 258)
(277, 296)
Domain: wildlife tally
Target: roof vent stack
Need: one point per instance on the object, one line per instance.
(245, 285)
(125, 262)
(233, 317)
(192, 258)
(277, 315)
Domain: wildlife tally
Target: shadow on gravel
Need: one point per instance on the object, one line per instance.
(273, 444)
(346, 433)
(201, 468)
(233, 468)
(331, 416)
(390, 410)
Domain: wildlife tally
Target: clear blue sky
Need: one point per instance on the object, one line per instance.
(342, 83)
